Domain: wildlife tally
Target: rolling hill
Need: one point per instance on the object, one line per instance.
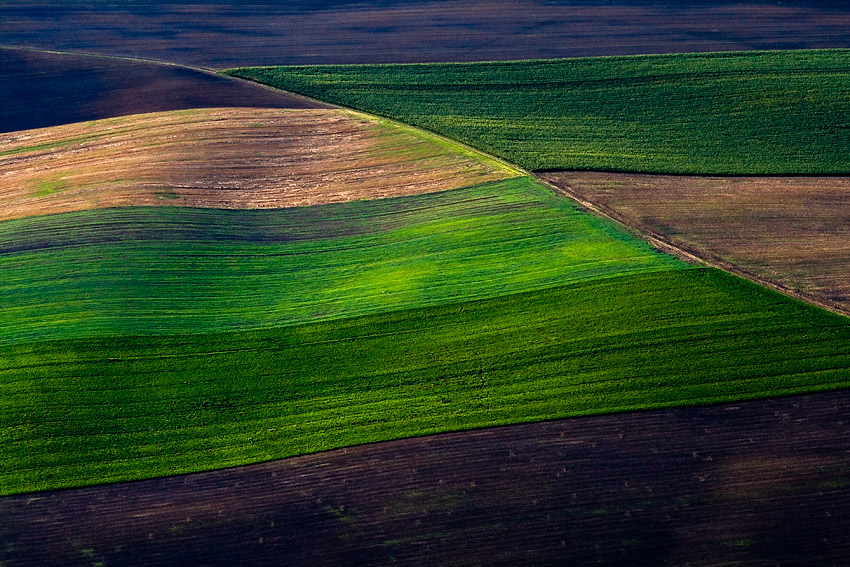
(195, 290)
(783, 112)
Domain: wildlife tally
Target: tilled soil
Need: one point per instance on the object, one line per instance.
(48, 89)
(792, 232)
(227, 158)
(756, 483)
(226, 34)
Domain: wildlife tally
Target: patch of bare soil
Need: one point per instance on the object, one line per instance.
(757, 483)
(48, 89)
(789, 232)
(227, 34)
(225, 158)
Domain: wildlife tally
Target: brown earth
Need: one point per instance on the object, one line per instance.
(756, 483)
(47, 89)
(226, 158)
(225, 34)
(789, 232)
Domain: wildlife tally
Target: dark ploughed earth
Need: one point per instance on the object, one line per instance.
(48, 89)
(756, 483)
(217, 33)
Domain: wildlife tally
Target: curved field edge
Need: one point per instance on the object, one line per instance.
(166, 270)
(789, 233)
(229, 158)
(637, 488)
(42, 89)
(777, 112)
(81, 412)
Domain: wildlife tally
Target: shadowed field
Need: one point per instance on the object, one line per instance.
(226, 34)
(228, 158)
(47, 89)
(758, 483)
(791, 231)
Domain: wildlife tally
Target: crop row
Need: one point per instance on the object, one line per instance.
(78, 412)
(724, 113)
(139, 270)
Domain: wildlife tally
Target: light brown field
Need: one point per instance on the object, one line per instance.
(227, 158)
(791, 232)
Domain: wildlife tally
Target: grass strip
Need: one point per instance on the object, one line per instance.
(137, 270)
(80, 412)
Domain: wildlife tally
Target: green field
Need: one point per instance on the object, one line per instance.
(153, 270)
(148, 341)
(78, 412)
(784, 112)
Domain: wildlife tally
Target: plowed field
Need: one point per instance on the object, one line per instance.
(142, 341)
(47, 89)
(791, 231)
(227, 158)
(224, 34)
(758, 483)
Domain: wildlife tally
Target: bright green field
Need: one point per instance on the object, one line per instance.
(81, 412)
(130, 271)
(785, 112)
(89, 411)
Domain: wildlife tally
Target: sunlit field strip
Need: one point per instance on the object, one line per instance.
(148, 271)
(80, 412)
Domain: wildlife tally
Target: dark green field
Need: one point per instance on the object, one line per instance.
(79, 412)
(783, 112)
(138, 270)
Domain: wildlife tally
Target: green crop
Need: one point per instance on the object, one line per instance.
(86, 411)
(155, 270)
(785, 112)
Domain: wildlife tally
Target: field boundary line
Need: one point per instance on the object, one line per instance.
(421, 132)
(659, 241)
(439, 139)
(204, 70)
(95, 55)
(687, 253)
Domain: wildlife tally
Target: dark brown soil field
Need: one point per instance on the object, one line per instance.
(792, 232)
(227, 158)
(221, 34)
(757, 483)
(46, 89)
